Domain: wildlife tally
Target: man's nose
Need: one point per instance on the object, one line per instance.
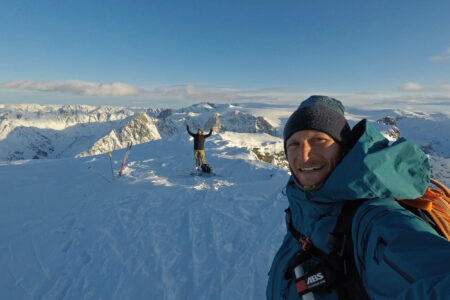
(305, 151)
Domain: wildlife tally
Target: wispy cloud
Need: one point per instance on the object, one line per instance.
(411, 87)
(74, 87)
(410, 94)
(197, 92)
(445, 87)
(444, 57)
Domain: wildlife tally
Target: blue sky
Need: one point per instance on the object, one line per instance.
(170, 53)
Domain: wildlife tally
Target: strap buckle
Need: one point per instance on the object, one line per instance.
(305, 242)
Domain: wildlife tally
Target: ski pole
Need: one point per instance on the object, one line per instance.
(110, 162)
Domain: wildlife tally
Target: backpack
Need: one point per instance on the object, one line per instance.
(206, 168)
(337, 269)
(433, 207)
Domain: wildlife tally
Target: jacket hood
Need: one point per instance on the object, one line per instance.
(373, 168)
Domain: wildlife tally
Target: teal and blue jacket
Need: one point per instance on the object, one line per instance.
(397, 255)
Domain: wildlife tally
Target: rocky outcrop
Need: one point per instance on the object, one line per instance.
(389, 128)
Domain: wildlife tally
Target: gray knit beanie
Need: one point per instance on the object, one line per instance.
(320, 113)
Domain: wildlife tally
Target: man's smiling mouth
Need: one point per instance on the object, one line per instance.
(308, 169)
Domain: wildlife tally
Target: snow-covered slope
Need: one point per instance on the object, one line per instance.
(155, 233)
(70, 229)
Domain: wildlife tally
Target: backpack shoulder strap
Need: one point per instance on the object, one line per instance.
(341, 239)
(441, 186)
(341, 258)
(440, 212)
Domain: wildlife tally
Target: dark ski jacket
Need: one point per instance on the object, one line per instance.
(199, 139)
(397, 255)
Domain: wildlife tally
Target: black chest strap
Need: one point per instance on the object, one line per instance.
(339, 264)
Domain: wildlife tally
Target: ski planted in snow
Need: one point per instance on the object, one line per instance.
(125, 157)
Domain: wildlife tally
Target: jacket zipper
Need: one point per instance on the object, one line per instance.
(397, 269)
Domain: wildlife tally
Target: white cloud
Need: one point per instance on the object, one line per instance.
(185, 94)
(75, 87)
(445, 57)
(194, 92)
(411, 87)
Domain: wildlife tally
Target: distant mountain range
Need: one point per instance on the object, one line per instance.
(52, 131)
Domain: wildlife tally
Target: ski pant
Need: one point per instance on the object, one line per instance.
(199, 155)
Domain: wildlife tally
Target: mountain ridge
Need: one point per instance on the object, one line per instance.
(126, 125)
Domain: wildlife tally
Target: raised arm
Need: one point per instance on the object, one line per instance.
(187, 128)
(210, 132)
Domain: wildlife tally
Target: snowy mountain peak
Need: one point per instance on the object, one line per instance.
(139, 130)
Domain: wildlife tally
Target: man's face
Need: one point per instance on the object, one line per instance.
(199, 131)
(312, 156)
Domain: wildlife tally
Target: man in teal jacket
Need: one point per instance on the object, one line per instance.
(397, 255)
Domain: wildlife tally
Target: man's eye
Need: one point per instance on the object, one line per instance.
(321, 139)
(293, 144)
